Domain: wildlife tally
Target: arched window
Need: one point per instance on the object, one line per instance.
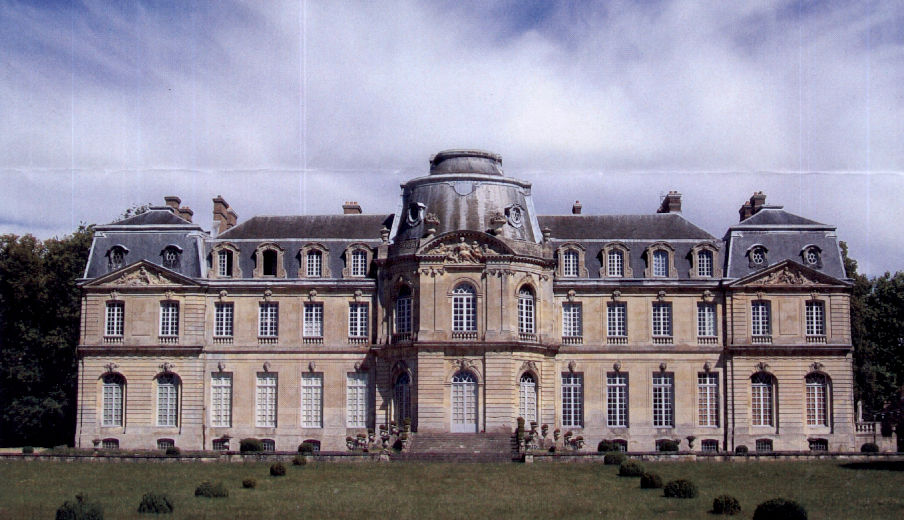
(269, 260)
(817, 400)
(167, 400)
(705, 263)
(403, 311)
(570, 263)
(116, 257)
(761, 402)
(359, 263)
(660, 263)
(527, 398)
(526, 322)
(171, 255)
(402, 394)
(224, 263)
(464, 309)
(615, 263)
(314, 263)
(114, 386)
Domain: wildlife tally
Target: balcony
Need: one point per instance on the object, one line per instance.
(617, 340)
(707, 340)
(401, 337)
(113, 340)
(866, 427)
(572, 340)
(168, 340)
(465, 336)
(527, 337)
(663, 340)
(761, 340)
(816, 340)
(357, 340)
(267, 340)
(312, 340)
(222, 340)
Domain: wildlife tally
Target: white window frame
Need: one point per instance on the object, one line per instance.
(660, 263)
(266, 395)
(403, 321)
(527, 397)
(312, 400)
(225, 260)
(356, 392)
(708, 399)
(357, 320)
(617, 400)
(760, 318)
(817, 400)
(169, 318)
(615, 263)
(359, 263)
(464, 308)
(112, 396)
(313, 320)
(224, 314)
(571, 263)
(663, 400)
(572, 400)
(314, 263)
(221, 400)
(115, 319)
(168, 400)
(816, 318)
(572, 320)
(662, 319)
(617, 320)
(762, 400)
(706, 320)
(526, 322)
(268, 320)
(705, 260)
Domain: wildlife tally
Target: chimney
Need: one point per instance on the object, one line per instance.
(576, 209)
(671, 203)
(220, 216)
(758, 200)
(173, 202)
(231, 218)
(186, 213)
(351, 208)
(746, 211)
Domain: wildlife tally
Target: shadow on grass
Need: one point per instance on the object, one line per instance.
(884, 465)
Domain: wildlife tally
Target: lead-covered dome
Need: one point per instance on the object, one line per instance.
(466, 161)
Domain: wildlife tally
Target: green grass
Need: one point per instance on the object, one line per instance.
(410, 490)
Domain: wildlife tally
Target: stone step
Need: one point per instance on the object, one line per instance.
(458, 445)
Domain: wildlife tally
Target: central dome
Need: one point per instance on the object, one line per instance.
(466, 161)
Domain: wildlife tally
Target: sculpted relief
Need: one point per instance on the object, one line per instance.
(462, 252)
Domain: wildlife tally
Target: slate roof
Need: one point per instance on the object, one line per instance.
(658, 226)
(346, 227)
(145, 246)
(152, 217)
(776, 216)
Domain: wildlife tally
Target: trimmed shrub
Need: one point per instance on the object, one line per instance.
(614, 458)
(28, 449)
(650, 481)
(306, 447)
(206, 489)
(299, 460)
(80, 510)
(603, 447)
(250, 445)
(680, 488)
(780, 509)
(249, 483)
(668, 445)
(277, 470)
(173, 451)
(155, 503)
(741, 450)
(726, 505)
(630, 468)
(869, 447)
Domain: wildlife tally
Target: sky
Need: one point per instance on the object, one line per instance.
(295, 107)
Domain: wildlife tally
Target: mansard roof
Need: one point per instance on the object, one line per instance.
(342, 227)
(155, 216)
(776, 216)
(658, 226)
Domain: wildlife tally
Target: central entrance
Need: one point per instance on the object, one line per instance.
(464, 403)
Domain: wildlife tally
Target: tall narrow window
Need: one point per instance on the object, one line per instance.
(268, 320)
(816, 319)
(572, 400)
(660, 263)
(312, 400)
(704, 263)
(663, 399)
(761, 399)
(356, 400)
(706, 320)
(112, 400)
(223, 316)
(359, 263)
(615, 263)
(570, 259)
(403, 311)
(266, 400)
(221, 400)
(816, 400)
(314, 264)
(402, 393)
(527, 398)
(525, 311)
(616, 399)
(114, 322)
(169, 319)
(224, 263)
(662, 319)
(357, 320)
(167, 400)
(464, 309)
(572, 326)
(313, 320)
(708, 399)
(269, 258)
(617, 320)
(760, 323)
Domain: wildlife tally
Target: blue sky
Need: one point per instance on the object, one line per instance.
(291, 107)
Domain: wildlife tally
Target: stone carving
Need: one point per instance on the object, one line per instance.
(384, 234)
(268, 295)
(616, 294)
(114, 295)
(616, 366)
(571, 295)
(221, 366)
(817, 366)
(167, 367)
(515, 215)
(496, 222)
(707, 296)
(415, 213)
(707, 367)
(312, 366)
(142, 277)
(663, 366)
(169, 295)
(223, 294)
(358, 294)
(572, 366)
(432, 271)
(111, 367)
(462, 252)
(266, 366)
(529, 366)
(786, 277)
(464, 364)
(762, 366)
(312, 294)
(660, 295)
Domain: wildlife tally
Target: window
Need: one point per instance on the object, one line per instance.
(357, 320)
(705, 263)
(811, 256)
(269, 258)
(707, 399)
(313, 320)
(525, 311)
(816, 400)
(315, 445)
(527, 398)
(660, 263)
(818, 444)
(163, 444)
(617, 399)
(572, 400)
(709, 446)
(764, 445)
(314, 264)
(760, 322)
(167, 400)
(169, 319)
(312, 400)
(402, 393)
(114, 321)
(761, 399)
(221, 444)
(112, 400)
(116, 257)
(221, 400)
(223, 315)
(570, 263)
(359, 263)
(662, 319)
(110, 444)
(816, 318)
(706, 320)
(268, 445)
(171, 258)
(403, 311)
(356, 400)
(464, 309)
(268, 320)
(620, 445)
(758, 256)
(572, 326)
(266, 400)
(224, 263)
(617, 320)
(663, 392)
(615, 263)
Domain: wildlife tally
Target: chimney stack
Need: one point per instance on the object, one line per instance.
(220, 214)
(183, 212)
(231, 218)
(752, 206)
(671, 203)
(351, 208)
(576, 209)
(186, 213)
(746, 211)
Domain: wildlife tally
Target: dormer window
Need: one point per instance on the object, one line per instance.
(116, 257)
(269, 257)
(614, 259)
(171, 256)
(757, 256)
(615, 263)
(359, 263)
(224, 263)
(812, 256)
(315, 260)
(704, 261)
(268, 261)
(660, 263)
(705, 264)
(570, 263)
(314, 264)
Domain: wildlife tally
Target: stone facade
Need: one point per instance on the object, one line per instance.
(463, 311)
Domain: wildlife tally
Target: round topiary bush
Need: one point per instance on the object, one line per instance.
(249, 483)
(614, 458)
(306, 447)
(741, 450)
(80, 510)
(726, 505)
(250, 445)
(668, 445)
(680, 488)
(869, 447)
(650, 481)
(206, 489)
(299, 460)
(277, 470)
(28, 449)
(780, 509)
(155, 503)
(630, 468)
(173, 451)
(604, 446)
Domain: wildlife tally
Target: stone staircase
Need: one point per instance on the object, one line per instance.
(459, 447)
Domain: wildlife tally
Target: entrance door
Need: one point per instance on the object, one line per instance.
(464, 403)
(527, 405)
(402, 398)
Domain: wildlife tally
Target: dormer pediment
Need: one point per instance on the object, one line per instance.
(788, 273)
(142, 274)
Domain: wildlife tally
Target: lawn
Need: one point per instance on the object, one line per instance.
(411, 490)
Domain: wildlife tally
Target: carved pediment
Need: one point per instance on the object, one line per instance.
(787, 274)
(464, 248)
(143, 274)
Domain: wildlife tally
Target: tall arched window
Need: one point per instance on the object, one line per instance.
(314, 263)
(761, 402)
(269, 258)
(359, 263)
(526, 322)
(116, 257)
(527, 398)
(660, 263)
(705, 263)
(402, 394)
(615, 263)
(570, 260)
(403, 311)
(817, 400)
(114, 385)
(224, 263)
(464, 309)
(167, 400)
